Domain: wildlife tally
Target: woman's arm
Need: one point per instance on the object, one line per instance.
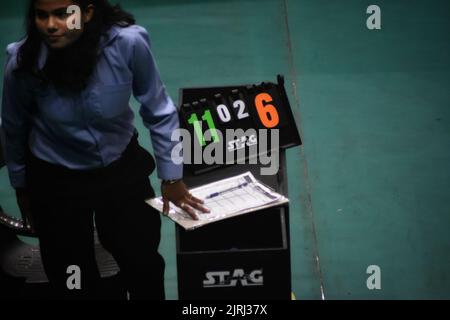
(158, 111)
(15, 119)
(15, 126)
(161, 118)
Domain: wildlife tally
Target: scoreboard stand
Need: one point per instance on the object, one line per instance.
(248, 256)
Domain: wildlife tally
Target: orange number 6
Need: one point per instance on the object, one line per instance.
(267, 112)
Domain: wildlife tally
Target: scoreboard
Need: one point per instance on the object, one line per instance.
(238, 122)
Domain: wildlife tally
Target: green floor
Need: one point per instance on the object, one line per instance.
(371, 184)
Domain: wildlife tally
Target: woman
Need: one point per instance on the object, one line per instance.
(71, 147)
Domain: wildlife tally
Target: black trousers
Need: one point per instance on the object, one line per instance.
(65, 204)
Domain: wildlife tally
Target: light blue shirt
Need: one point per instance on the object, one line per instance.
(92, 128)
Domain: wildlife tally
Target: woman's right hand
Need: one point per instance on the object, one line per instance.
(23, 201)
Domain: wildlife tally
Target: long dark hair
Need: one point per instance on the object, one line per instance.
(70, 68)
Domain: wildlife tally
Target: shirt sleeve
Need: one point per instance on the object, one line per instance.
(157, 109)
(15, 122)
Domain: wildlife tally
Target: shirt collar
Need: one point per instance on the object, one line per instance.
(111, 34)
(43, 54)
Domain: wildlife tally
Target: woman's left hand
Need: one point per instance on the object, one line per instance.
(178, 194)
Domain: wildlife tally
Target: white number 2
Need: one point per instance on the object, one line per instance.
(241, 105)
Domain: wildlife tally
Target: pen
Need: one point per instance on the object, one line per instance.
(215, 194)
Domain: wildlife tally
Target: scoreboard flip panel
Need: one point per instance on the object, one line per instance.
(236, 119)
